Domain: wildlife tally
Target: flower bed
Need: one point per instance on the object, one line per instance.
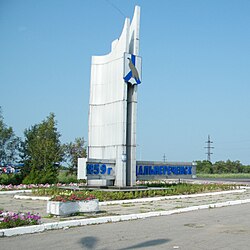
(64, 205)
(11, 219)
(80, 196)
(166, 189)
(32, 186)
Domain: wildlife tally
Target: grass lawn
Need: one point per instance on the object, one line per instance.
(228, 175)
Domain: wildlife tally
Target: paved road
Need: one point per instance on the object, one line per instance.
(243, 181)
(221, 228)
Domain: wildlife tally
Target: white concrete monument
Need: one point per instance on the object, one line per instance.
(112, 110)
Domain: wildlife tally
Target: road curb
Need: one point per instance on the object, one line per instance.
(16, 191)
(25, 197)
(108, 219)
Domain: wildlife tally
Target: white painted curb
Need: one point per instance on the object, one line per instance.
(16, 191)
(25, 197)
(245, 187)
(102, 220)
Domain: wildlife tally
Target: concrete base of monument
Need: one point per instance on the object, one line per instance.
(130, 188)
(112, 188)
(100, 182)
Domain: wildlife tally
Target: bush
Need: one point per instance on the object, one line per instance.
(14, 179)
(40, 177)
(66, 178)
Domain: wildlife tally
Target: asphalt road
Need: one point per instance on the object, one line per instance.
(219, 228)
(243, 181)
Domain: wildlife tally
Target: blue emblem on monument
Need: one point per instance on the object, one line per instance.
(132, 69)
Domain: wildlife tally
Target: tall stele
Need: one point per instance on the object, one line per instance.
(112, 106)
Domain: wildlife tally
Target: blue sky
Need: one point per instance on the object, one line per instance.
(196, 77)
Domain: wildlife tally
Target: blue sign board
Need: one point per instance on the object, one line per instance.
(147, 170)
(97, 168)
(163, 170)
(144, 170)
(100, 169)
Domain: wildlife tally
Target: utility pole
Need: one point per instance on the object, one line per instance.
(164, 158)
(209, 147)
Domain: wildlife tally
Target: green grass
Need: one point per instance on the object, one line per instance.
(159, 209)
(177, 207)
(128, 205)
(225, 175)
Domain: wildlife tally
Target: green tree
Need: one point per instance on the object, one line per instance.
(245, 169)
(204, 167)
(228, 167)
(9, 143)
(42, 152)
(73, 151)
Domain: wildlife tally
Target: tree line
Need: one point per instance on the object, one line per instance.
(221, 167)
(41, 151)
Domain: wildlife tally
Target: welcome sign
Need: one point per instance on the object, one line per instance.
(162, 170)
(145, 170)
(112, 130)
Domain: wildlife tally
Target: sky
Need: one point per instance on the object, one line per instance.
(195, 63)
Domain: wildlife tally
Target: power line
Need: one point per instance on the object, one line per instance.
(233, 142)
(209, 147)
(115, 7)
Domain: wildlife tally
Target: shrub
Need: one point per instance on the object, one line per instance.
(13, 179)
(66, 178)
(40, 177)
